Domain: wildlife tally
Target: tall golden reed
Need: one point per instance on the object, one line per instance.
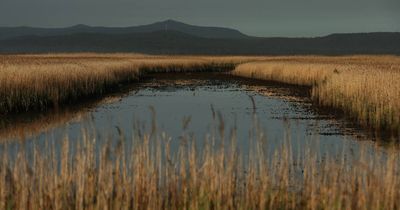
(143, 172)
(366, 88)
(37, 82)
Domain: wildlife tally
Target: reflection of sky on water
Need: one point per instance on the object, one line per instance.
(174, 100)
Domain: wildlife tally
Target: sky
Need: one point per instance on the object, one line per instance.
(291, 18)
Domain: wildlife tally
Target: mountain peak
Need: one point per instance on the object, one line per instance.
(200, 31)
(170, 22)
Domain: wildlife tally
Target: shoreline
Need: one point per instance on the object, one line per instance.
(100, 74)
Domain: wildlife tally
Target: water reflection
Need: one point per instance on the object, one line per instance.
(195, 104)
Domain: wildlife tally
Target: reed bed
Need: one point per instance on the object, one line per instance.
(143, 172)
(366, 88)
(38, 86)
(285, 72)
(369, 95)
(38, 82)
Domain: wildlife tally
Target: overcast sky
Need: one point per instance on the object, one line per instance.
(253, 17)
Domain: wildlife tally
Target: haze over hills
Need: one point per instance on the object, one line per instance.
(172, 37)
(172, 25)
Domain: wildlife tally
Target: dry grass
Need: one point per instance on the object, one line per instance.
(218, 175)
(369, 94)
(37, 82)
(366, 88)
(285, 71)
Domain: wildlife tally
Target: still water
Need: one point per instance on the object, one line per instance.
(196, 105)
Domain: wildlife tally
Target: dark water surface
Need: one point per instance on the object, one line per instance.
(198, 102)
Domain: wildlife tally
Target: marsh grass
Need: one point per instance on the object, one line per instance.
(39, 82)
(143, 171)
(366, 88)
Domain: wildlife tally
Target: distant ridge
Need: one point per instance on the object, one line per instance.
(172, 37)
(199, 31)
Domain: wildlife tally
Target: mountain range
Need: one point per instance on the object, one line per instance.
(168, 25)
(173, 37)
